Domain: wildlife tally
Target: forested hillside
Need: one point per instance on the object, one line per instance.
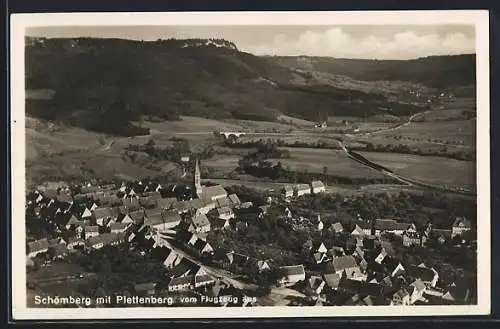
(103, 84)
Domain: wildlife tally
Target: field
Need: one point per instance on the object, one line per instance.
(444, 131)
(336, 162)
(431, 169)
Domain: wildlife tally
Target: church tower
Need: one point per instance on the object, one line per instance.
(197, 179)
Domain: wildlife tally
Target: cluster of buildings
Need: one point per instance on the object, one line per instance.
(101, 215)
(363, 268)
(289, 191)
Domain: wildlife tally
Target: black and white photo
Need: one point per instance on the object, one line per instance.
(222, 165)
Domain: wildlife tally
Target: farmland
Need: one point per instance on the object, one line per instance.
(427, 168)
(335, 161)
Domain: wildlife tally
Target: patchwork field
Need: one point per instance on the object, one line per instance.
(431, 169)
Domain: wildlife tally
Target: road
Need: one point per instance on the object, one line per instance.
(410, 119)
(225, 276)
(406, 180)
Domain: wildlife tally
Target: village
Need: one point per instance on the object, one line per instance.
(177, 227)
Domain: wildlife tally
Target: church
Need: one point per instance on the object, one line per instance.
(207, 193)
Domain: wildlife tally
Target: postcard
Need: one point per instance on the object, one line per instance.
(250, 164)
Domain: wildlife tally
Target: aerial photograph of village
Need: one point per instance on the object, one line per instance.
(247, 166)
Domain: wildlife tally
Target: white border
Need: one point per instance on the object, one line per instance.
(20, 21)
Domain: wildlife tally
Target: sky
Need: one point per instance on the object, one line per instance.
(348, 41)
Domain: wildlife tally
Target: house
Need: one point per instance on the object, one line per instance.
(287, 191)
(87, 213)
(319, 257)
(262, 265)
(332, 280)
(171, 258)
(393, 266)
(102, 215)
(145, 288)
(137, 216)
(428, 275)
(182, 283)
(317, 187)
(219, 224)
(202, 247)
(320, 248)
(337, 228)
(203, 280)
(72, 222)
(411, 238)
(131, 204)
(118, 227)
(162, 221)
(234, 200)
(441, 235)
(302, 189)
(293, 274)
(91, 231)
(315, 284)
(166, 204)
(391, 226)
(460, 225)
(344, 264)
(94, 242)
(213, 192)
(184, 267)
(225, 213)
(388, 248)
(37, 247)
(416, 290)
(400, 297)
(75, 242)
(200, 224)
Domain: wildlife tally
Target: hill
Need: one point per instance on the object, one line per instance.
(104, 84)
(433, 71)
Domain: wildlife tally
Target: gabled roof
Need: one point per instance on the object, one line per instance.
(390, 225)
(95, 240)
(344, 262)
(315, 282)
(137, 216)
(418, 272)
(200, 220)
(103, 213)
(337, 227)
(117, 226)
(223, 202)
(234, 199)
(332, 280)
(89, 229)
(166, 203)
(294, 269)
(209, 192)
(180, 281)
